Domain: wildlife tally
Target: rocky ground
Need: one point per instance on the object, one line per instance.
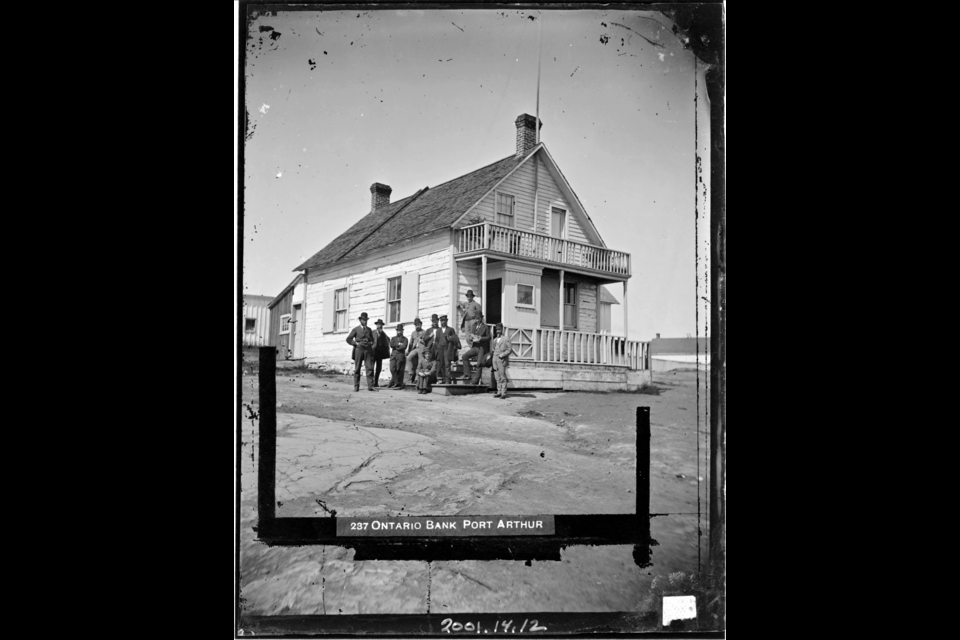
(400, 453)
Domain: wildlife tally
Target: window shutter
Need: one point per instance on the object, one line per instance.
(328, 312)
(409, 297)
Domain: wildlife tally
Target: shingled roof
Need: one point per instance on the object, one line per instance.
(415, 215)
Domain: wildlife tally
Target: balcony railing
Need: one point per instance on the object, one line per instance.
(578, 347)
(526, 244)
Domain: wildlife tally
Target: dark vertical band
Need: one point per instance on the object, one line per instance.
(267, 467)
(641, 553)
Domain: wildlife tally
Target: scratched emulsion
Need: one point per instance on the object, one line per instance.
(381, 454)
(391, 454)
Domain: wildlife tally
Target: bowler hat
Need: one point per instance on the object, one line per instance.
(364, 316)
(379, 322)
(417, 321)
(469, 293)
(399, 327)
(499, 325)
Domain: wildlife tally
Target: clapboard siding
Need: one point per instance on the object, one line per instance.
(520, 185)
(550, 196)
(256, 307)
(367, 288)
(284, 306)
(523, 187)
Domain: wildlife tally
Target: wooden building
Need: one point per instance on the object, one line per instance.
(517, 235)
(286, 320)
(605, 318)
(667, 354)
(256, 321)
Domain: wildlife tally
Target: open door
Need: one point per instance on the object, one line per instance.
(494, 301)
(295, 329)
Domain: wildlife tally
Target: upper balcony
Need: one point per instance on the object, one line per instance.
(489, 237)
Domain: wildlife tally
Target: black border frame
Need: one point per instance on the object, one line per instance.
(699, 20)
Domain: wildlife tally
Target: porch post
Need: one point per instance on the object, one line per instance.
(561, 301)
(483, 286)
(626, 333)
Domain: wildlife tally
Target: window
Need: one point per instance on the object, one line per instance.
(285, 323)
(393, 299)
(525, 295)
(250, 325)
(505, 209)
(340, 310)
(570, 305)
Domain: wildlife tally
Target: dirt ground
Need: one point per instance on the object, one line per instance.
(399, 453)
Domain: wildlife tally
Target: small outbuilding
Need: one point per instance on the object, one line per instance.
(286, 321)
(256, 320)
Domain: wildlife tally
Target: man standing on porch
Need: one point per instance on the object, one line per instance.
(446, 348)
(471, 313)
(361, 339)
(479, 341)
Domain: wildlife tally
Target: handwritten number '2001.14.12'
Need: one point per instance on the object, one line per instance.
(449, 625)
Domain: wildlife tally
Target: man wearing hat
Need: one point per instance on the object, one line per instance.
(446, 343)
(471, 313)
(398, 358)
(361, 339)
(413, 349)
(479, 342)
(381, 350)
(501, 361)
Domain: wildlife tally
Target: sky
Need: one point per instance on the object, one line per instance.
(414, 98)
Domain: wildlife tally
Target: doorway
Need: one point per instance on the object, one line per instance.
(295, 332)
(494, 301)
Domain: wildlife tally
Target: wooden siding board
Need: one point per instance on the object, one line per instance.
(367, 292)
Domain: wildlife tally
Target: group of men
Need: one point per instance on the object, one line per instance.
(429, 353)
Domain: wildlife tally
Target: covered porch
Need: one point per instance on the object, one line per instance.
(547, 293)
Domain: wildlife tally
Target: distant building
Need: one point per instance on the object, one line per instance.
(679, 353)
(286, 321)
(256, 321)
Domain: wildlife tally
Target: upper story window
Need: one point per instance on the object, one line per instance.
(340, 309)
(505, 206)
(393, 299)
(250, 324)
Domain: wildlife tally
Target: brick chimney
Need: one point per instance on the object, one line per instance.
(379, 196)
(526, 133)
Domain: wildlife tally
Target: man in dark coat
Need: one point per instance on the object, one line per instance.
(361, 339)
(398, 358)
(446, 342)
(381, 351)
(479, 341)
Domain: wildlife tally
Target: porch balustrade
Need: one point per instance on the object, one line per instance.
(526, 244)
(578, 347)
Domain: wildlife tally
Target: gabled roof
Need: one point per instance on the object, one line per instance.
(606, 296)
(425, 211)
(679, 346)
(286, 289)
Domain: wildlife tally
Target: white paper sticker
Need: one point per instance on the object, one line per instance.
(678, 608)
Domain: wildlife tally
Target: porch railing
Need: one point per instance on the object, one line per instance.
(526, 244)
(578, 347)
